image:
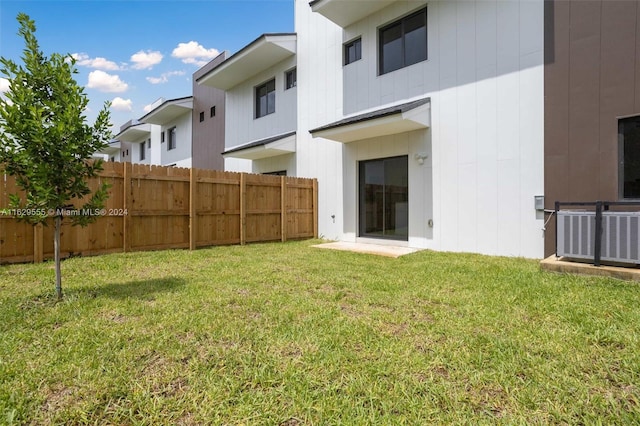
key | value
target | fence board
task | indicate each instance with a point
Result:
(154, 207)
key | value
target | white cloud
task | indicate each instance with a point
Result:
(4, 85)
(194, 53)
(120, 104)
(164, 77)
(100, 63)
(104, 82)
(142, 60)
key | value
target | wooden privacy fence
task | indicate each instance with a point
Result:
(153, 208)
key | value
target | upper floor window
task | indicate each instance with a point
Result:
(201, 116)
(212, 111)
(171, 136)
(266, 98)
(629, 154)
(291, 78)
(403, 42)
(353, 51)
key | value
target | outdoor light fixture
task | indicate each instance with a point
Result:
(421, 156)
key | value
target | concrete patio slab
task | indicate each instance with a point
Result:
(554, 264)
(377, 249)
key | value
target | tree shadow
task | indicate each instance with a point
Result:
(143, 289)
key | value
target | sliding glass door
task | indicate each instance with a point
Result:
(384, 198)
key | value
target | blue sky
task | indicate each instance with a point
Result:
(134, 52)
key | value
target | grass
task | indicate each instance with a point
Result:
(286, 334)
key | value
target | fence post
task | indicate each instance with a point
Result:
(243, 209)
(38, 243)
(315, 207)
(283, 207)
(128, 169)
(193, 181)
(598, 236)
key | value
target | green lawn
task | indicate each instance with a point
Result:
(286, 334)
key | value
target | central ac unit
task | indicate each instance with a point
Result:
(620, 236)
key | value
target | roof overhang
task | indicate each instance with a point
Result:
(168, 110)
(263, 53)
(393, 120)
(112, 148)
(346, 12)
(264, 148)
(134, 133)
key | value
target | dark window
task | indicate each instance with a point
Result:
(266, 98)
(142, 151)
(212, 112)
(112, 159)
(161, 137)
(201, 116)
(629, 152)
(278, 173)
(403, 42)
(384, 198)
(149, 143)
(172, 138)
(291, 78)
(353, 51)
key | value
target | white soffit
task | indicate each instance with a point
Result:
(260, 55)
(169, 110)
(258, 150)
(112, 148)
(371, 126)
(134, 133)
(346, 12)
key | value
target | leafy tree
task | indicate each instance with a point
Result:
(45, 142)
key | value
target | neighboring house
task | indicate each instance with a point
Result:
(208, 126)
(185, 132)
(136, 144)
(261, 103)
(592, 105)
(111, 152)
(173, 116)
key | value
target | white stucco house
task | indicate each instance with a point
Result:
(111, 152)
(422, 120)
(260, 82)
(171, 121)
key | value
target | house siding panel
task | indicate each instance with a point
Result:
(591, 79)
(584, 78)
(181, 155)
(208, 135)
(243, 126)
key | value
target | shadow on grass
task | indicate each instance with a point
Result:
(145, 289)
(142, 289)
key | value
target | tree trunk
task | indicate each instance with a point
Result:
(56, 250)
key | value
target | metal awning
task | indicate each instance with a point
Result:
(391, 120)
(264, 148)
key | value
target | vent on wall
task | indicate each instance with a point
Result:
(620, 236)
